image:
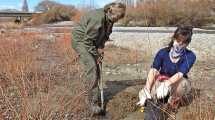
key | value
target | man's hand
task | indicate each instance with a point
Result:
(101, 51)
(144, 94)
(163, 90)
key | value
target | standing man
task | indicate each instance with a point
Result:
(88, 40)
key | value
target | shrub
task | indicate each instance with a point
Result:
(53, 12)
(171, 13)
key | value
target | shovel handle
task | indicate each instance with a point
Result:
(101, 87)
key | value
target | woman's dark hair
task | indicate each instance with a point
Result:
(186, 31)
(117, 5)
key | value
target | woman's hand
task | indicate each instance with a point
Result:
(144, 94)
(163, 90)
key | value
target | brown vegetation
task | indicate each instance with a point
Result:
(40, 79)
(171, 13)
(32, 88)
(53, 12)
(10, 25)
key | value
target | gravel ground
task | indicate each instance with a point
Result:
(203, 44)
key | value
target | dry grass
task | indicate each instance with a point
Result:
(171, 13)
(200, 109)
(32, 87)
(29, 88)
(40, 77)
(118, 55)
(77, 16)
(10, 25)
(55, 14)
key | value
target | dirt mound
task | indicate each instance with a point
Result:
(122, 104)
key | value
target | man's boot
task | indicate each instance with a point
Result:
(93, 101)
(95, 109)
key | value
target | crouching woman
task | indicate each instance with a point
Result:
(168, 73)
